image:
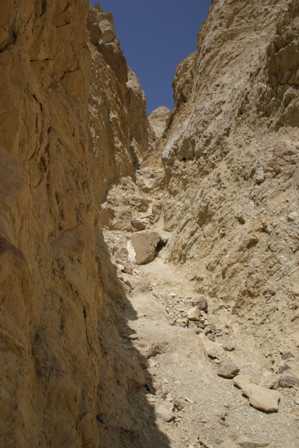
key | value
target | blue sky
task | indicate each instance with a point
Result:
(155, 36)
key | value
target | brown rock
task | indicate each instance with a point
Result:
(228, 369)
(144, 247)
(201, 302)
(138, 224)
(260, 398)
(194, 314)
(288, 380)
(158, 120)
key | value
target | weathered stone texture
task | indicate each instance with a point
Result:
(119, 126)
(65, 378)
(232, 155)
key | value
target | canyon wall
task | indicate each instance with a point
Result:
(119, 127)
(231, 159)
(66, 376)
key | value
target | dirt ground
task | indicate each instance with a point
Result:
(187, 347)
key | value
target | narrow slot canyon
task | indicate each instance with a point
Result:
(149, 263)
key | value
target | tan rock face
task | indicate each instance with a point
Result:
(144, 247)
(65, 380)
(232, 158)
(158, 120)
(117, 106)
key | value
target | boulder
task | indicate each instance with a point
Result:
(228, 369)
(144, 247)
(259, 397)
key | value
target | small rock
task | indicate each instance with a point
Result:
(155, 349)
(194, 314)
(260, 398)
(249, 443)
(288, 380)
(165, 412)
(211, 332)
(179, 404)
(215, 352)
(263, 399)
(182, 322)
(138, 224)
(228, 369)
(212, 349)
(282, 367)
(287, 355)
(201, 303)
(229, 346)
(259, 174)
(270, 381)
(296, 401)
(293, 216)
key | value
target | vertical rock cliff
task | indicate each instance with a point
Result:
(66, 376)
(231, 158)
(119, 127)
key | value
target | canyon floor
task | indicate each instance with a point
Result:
(212, 383)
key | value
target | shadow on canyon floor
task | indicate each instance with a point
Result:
(128, 418)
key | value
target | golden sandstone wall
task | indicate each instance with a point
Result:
(65, 378)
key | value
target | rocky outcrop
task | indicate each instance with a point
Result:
(231, 158)
(158, 120)
(67, 377)
(119, 126)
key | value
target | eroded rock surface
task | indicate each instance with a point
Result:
(149, 359)
(120, 131)
(66, 373)
(159, 119)
(232, 158)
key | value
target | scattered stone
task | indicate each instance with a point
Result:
(259, 174)
(211, 332)
(201, 303)
(179, 404)
(263, 399)
(228, 346)
(212, 349)
(288, 380)
(155, 349)
(287, 355)
(293, 216)
(260, 398)
(165, 412)
(182, 322)
(138, 224)
(296, 401)
(283, 367)
(270, 380)
(242, 381)
(144, 247)
(228, 369)
(251, 443)
(194, 314)
(215, 352)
